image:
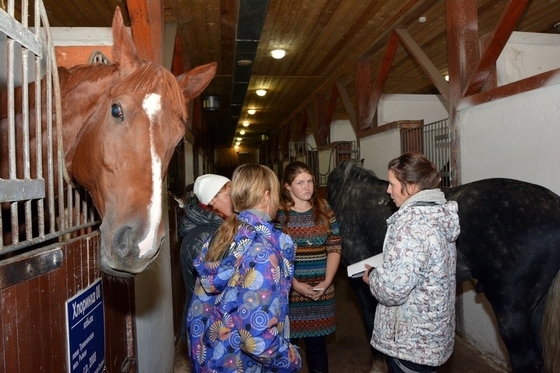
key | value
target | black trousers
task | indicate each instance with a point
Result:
(316, 353)
(402, 366)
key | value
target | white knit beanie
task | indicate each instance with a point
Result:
(207, 186)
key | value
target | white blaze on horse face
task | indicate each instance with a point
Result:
(152, 106)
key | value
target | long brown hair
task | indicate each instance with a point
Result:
(318, 206)
(249, 184)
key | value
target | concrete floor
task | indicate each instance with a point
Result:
(349, 350)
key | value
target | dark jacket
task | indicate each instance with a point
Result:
(196, 225)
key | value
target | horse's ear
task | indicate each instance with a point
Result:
(194, 82)
(124, 50)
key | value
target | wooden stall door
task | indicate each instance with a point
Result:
(33, 322)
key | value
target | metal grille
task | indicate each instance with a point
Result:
(336, 153)
(39, 202)
(434, 141)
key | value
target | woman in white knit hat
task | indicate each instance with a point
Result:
(203, 215)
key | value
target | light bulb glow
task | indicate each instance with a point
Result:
(251, 111)
(261, 92)
(245, 124)
(242, 132)
(278, 53)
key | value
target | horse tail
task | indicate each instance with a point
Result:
(550, 329)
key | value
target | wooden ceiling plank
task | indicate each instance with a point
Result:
(424, 62)
(514, 10)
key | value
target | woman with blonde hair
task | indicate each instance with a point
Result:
(238, 317)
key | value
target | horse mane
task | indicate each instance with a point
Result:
(350, 180)
(146, 77)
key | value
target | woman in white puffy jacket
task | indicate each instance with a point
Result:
(415, 286)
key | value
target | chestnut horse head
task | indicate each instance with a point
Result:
(121, 124)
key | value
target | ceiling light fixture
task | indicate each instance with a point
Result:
(251, 111)
(241, 132)
(261, 92)
(278, 53)
(245, 124)
(244, 62)
(239, 139)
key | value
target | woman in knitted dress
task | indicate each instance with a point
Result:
(309, 220)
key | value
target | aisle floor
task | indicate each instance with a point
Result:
(349, 350)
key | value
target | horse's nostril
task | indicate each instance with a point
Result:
(122, 240)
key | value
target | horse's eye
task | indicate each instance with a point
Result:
(117, 112)
(180, 143)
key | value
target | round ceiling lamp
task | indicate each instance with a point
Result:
(245, 124)
(241, 132)
(261, 92)
(278, 53)
(251, 111)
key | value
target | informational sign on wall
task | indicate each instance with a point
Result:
(85, 323)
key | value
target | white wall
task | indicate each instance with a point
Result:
(527, 54)
(430, 108)
(155, 345)
(378, 150)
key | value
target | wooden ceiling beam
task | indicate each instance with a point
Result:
(511, 15)
(382, 75)
(462, 45)
(177, 66)
(347, 103)
(424, 61)
(321, 115)
(146, 22)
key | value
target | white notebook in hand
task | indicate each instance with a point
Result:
(358, 269)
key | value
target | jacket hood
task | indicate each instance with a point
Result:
(432, 206)
(215, 276)
(196, 215)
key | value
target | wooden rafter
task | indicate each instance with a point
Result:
(146, 21)
(382, 75)
(347, 103)
(424, 62)
(511, 15)
(321, 114)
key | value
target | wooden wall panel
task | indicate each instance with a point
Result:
(33, 316)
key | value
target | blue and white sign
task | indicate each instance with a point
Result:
(85, 324)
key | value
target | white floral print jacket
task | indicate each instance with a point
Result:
(415, 285)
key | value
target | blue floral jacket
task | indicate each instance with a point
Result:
(238, 317)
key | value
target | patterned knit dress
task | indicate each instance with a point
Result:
(310, 318)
